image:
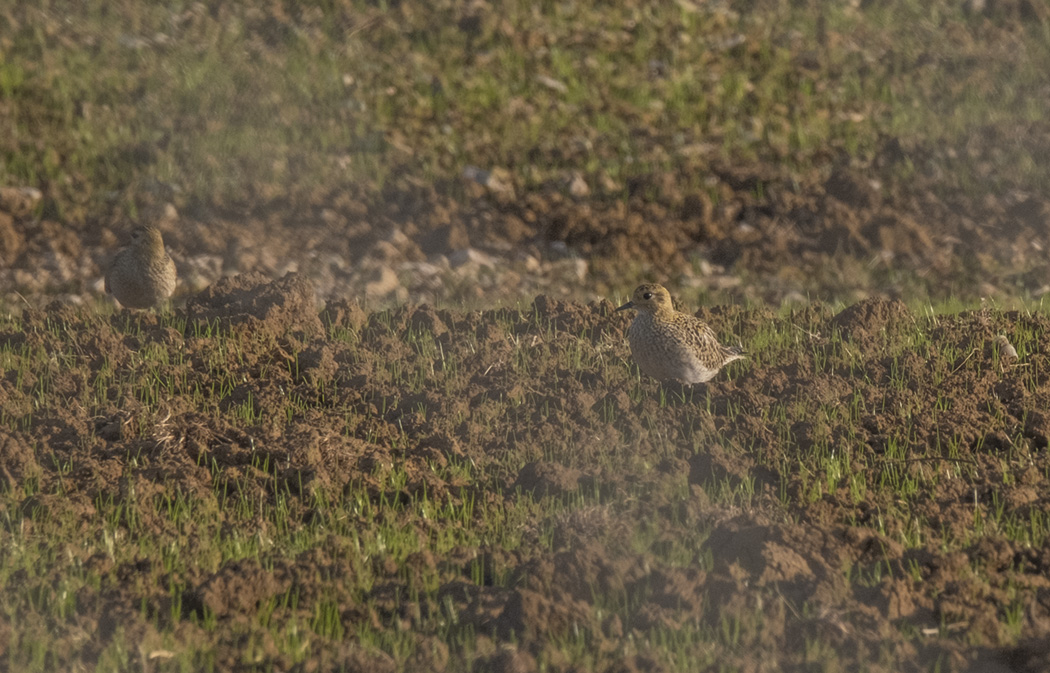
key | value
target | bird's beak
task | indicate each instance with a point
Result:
(629, 304)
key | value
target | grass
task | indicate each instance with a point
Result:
(183, 470)
(219, 107)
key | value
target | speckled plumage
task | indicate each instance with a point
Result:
(669, 345)
(142, 275)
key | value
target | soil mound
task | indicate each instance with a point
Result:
(870, 320)
(253, 300)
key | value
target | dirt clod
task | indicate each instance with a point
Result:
(865, 321)
(252, 299)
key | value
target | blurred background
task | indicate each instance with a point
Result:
(474, 153)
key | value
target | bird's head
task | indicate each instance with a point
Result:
(651, 298)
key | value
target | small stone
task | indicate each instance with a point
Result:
(578, 187)
(1006, 349)
(575, 268)
(384, 283)
(421, 269)
(397, 237)
(19, 200)
(552, 84)
(386, 252)
(471, 256)
(495, 180)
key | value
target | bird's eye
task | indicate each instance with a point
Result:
(647, 295)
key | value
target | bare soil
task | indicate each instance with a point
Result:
(838, 232)
(806, 574)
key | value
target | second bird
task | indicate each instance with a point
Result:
(142, 275)
(669, 345)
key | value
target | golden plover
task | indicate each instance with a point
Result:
(142, 275)
(670, 345)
